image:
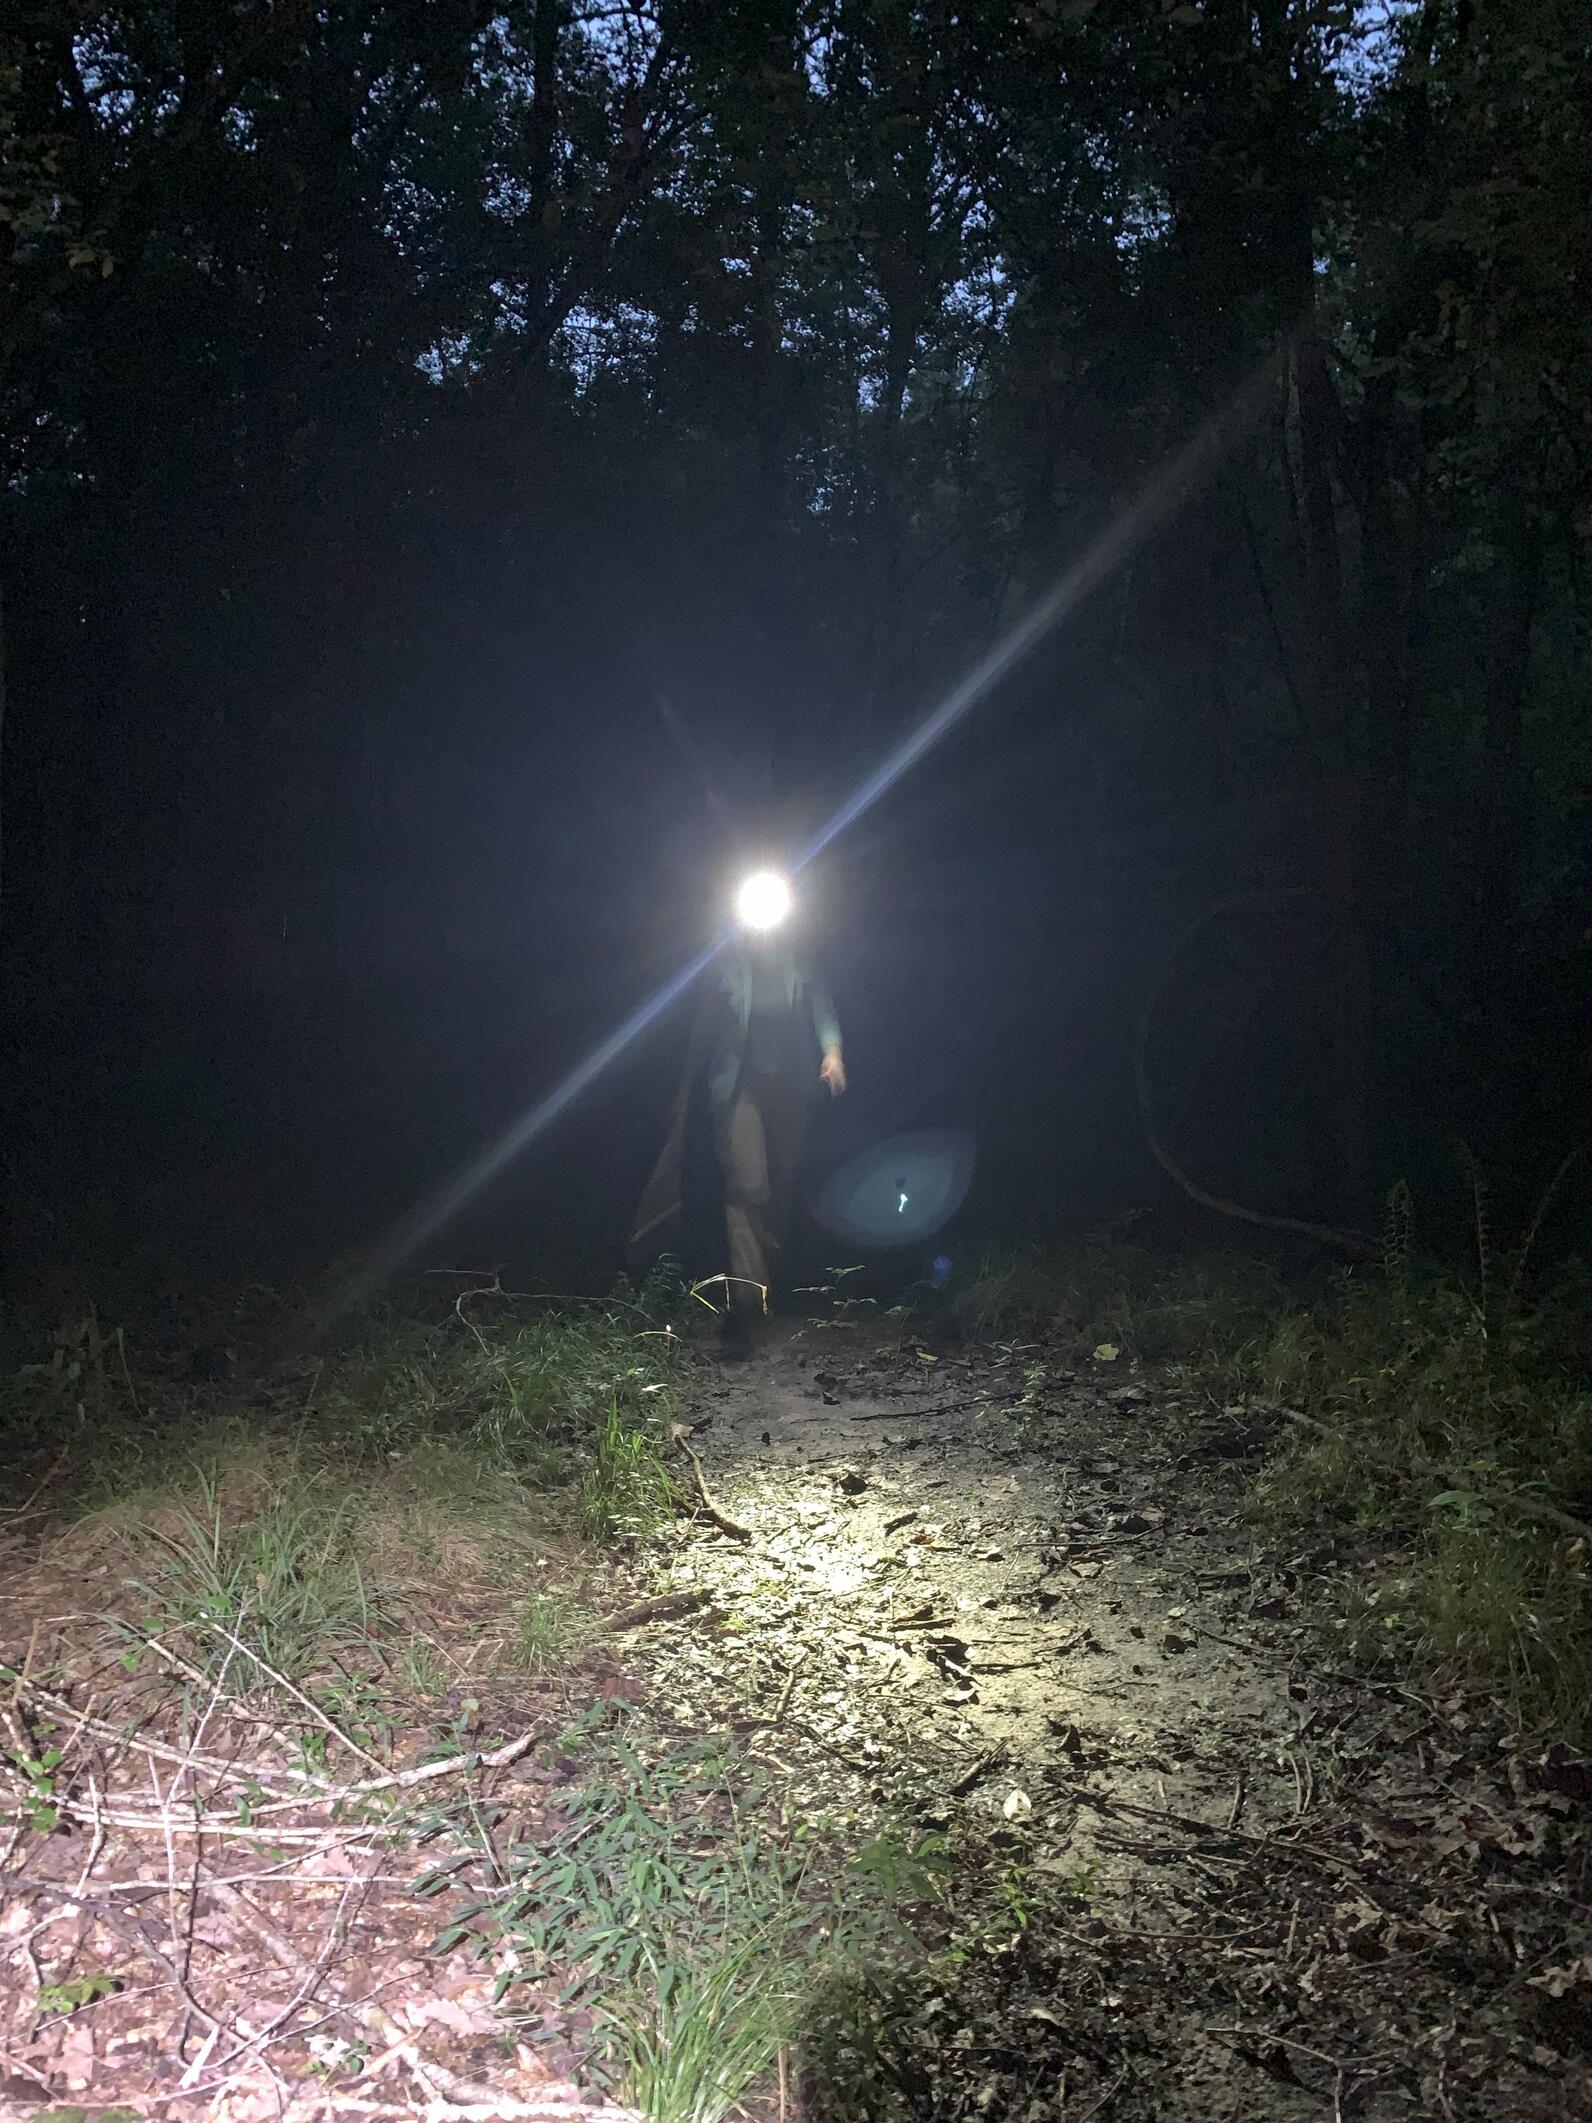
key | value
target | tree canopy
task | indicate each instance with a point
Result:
(411, 407)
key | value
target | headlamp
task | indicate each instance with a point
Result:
(764, 901)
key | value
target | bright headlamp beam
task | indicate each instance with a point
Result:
(1154, 502)
(763, 901)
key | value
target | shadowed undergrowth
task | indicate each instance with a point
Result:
(1443, 1419)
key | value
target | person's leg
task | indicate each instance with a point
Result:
(785, 1107)
(743, 1153)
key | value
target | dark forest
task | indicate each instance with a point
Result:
(1113, 480)
(462, 462)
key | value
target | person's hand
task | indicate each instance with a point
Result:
(833, 1072)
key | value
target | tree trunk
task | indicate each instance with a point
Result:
(1347, 977)
(1505, 806)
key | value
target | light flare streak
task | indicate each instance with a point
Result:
(1150, 507)
(426, 1220)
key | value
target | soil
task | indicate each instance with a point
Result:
(1192, 1866)
(1244, 1881)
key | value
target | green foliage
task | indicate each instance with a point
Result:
(39, 1808)
(72, 1995)
(707, 2035)
(691, 1910)
(627, 1489)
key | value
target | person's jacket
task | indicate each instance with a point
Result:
(732, 1018)
(714, 1056)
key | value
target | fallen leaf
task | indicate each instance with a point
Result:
(1107, 1353)
(1569, 1976)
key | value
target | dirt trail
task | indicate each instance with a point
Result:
(1241, 1884)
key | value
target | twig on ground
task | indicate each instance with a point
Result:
(298, 1695)
(1259, 2036)
(407, 1779)
(1106, 1803)
(783, 1704)
(286, 1955)
(1109, 2095)
(212, 1765)
(550, 2107)
(96, 1840)
(974, 1400)
(665, 1608)
(1240, 1794)
(180, 1954)
(393, 1780)
(1110, 1935)
(772, 1724)
(985, 1766)
(25, 1508)
(121, 1921)
(209, 1712)
(317, 1838)
(713, 1509)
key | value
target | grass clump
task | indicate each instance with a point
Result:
(1454, 1435)
(1201, 1312)
(691, 1911)
(307, 1505)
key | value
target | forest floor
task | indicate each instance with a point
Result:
(957, 1751)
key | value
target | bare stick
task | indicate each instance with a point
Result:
(720, 1517)
(212, 1764)
(406, 1779)
(299, 1696)
(1109, 2095)
(974, 1400)
(662, 1609)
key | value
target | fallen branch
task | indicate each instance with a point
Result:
(406, 1779)
(1355, 1243)
(552, 2106)
(974, 1400)
(298, 1695)
(665, 1608)
(1107, 2097)
(213, 1765)
(713, 1509)
(985, 1766)
(1209, 1831)
(204, 1823)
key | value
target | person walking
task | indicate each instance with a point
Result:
(766, 1039)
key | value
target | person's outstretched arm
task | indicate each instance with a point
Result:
(832, 1070)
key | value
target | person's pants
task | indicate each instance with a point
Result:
(760, 1145)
